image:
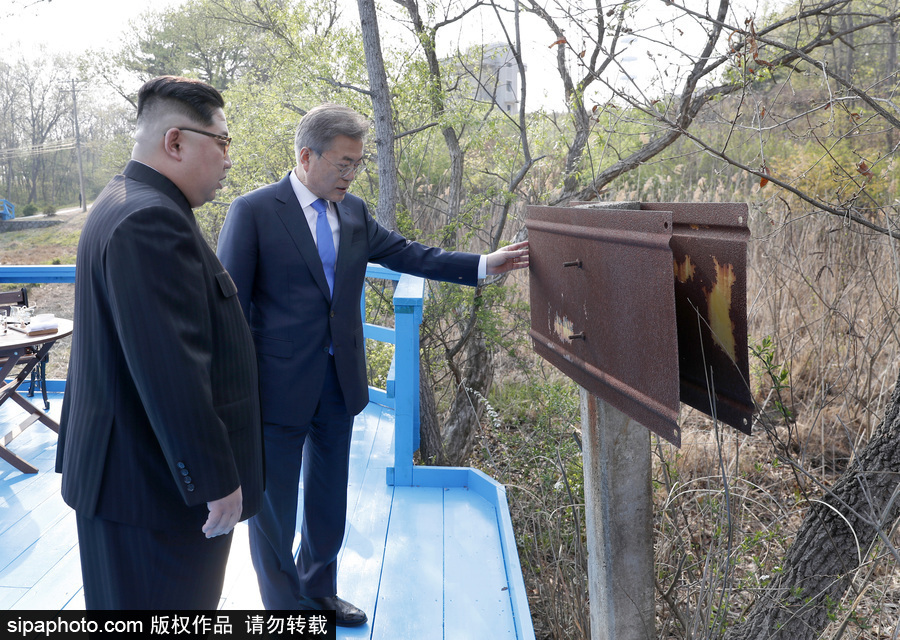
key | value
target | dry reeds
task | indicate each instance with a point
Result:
(825, 295)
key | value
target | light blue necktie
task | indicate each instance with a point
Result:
(325, 242)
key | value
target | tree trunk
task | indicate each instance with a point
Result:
(834, 538)
(849, 57)
(9, 179)
(582, 124)
(890, 71)
(388, 192)
(462, 424)
(457, 434)
(431, 448)
(455, 196)
(32, 184)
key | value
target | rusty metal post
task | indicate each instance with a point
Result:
(619, 518)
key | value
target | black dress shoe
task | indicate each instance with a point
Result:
(346, 615)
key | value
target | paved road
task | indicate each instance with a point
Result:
(72, 211)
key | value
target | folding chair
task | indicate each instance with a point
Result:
(19, 298)
(10, 299)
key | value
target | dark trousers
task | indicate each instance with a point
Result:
(321, 450)
(127, 567)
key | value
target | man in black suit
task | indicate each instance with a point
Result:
(160, 442)
(298, 251)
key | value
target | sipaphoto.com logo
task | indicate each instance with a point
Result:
(61, 627)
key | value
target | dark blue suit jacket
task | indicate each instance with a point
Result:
(161, 412)
(268, 249)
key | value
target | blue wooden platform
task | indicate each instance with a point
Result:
(429, 552)
(423, 561)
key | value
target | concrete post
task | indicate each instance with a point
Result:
(619, 520)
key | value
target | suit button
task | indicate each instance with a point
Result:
(332, 314)
(325, 349)
(187, 480)
(180, 465)
(184, 472)
(190, 487)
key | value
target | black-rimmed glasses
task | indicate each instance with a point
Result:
(226, 140)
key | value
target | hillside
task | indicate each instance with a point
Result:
(52, 245)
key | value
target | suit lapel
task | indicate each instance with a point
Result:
(290, 212)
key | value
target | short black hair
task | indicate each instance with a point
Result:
(194, 98)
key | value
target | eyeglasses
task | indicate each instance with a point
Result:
(345, 170)
(223, 139)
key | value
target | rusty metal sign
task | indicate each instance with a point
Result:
(603, 307)
(607, 312)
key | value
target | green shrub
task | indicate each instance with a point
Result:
(29, 210)
(379, 356)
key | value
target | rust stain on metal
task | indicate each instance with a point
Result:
(719, 308)
(561, 327)
(684, 271)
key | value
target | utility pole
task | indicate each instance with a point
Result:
(9, 157)
(78, 150)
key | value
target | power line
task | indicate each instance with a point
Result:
(36, 150)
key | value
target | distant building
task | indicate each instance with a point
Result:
(496, 79)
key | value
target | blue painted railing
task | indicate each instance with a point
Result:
(403, 398)
(37, 273)
(7, 210)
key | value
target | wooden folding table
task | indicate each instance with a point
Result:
(13, 347)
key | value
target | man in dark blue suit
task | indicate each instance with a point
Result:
(160, 441)
(298, 251)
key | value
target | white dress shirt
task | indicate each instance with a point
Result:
(306, 197)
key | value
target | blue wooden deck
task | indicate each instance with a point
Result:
(429, 552)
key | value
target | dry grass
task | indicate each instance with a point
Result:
(827, 295)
